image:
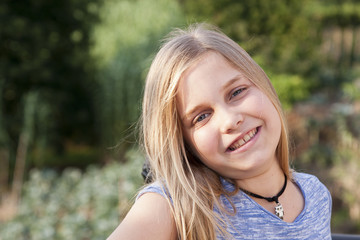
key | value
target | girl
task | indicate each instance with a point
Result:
(217, 142)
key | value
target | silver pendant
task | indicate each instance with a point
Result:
(279, 211)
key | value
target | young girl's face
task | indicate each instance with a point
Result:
(227, 121)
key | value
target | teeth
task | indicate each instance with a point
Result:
(244, 140)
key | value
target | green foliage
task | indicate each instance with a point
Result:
(290, 88)
(333, 156)
(340, 21)
(337, 13)
(279, 31)
(75, 205)
(124, 43)
(345, 172)
(86, 60)
(44, 49)
(351, 90)
(75, 156)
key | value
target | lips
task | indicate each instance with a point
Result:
(238, 143)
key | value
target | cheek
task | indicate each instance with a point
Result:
(265, 107)
(272, 118)
(255, 104)
(205, 142)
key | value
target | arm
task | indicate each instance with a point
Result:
(149, 218)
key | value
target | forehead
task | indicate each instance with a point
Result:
(210, 68)
(207, 58)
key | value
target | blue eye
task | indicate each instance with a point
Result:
(201, 117)
(237, 92)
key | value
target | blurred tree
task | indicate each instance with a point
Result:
(25, 137)
(125, 40)
(340, 23)
(44, 48)
(280, 31)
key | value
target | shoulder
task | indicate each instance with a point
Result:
(307, 180)
(149, 218)
(313, 189)
(155, 187)
(309, 183)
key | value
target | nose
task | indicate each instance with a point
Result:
(229, 120)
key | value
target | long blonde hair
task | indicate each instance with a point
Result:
(193, 187)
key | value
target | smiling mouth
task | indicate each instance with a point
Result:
(250, 135)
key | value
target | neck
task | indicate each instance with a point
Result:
(266, 184)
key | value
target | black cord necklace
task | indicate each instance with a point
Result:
(279, 211)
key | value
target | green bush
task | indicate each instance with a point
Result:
(290, 88)
(75, 204)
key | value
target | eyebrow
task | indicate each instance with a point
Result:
(237, 77)
(188, 114)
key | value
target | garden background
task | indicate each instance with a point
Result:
(71, 80)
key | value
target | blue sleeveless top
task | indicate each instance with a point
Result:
(252, 221)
